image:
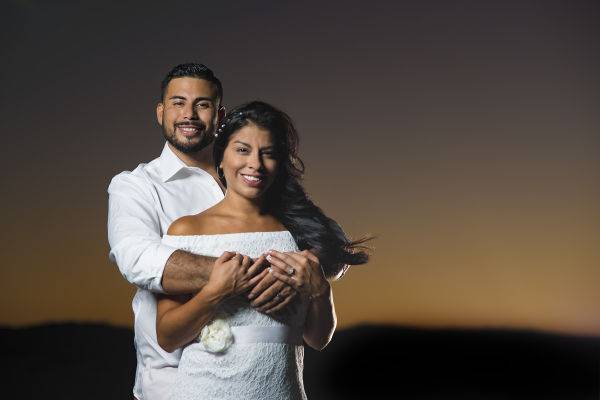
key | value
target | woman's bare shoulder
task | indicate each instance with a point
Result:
(198, 224)
(181, 226)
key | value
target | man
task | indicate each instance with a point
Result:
(144, 202)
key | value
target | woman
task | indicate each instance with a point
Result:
(265, 214)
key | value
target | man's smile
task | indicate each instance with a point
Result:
(189, 130)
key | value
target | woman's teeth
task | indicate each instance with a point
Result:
(252, 178)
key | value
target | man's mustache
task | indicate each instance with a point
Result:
(195, 124)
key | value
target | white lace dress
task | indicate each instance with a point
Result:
(247, 369)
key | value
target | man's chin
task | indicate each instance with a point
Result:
(189, 146)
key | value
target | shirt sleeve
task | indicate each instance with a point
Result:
(134, 232)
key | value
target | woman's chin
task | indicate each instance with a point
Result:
(253, 194)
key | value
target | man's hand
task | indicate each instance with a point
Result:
(232, 274)
(270, 294)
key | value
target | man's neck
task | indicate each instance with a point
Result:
(201, 159)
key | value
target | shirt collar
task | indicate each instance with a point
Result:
(170, 164)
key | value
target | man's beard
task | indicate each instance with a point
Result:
(184, 145)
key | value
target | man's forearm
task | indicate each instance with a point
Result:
(186, 272)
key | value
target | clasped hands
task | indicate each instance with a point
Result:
(271, 281)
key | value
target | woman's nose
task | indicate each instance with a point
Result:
(255, 161)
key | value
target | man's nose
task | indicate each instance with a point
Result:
(190, 112)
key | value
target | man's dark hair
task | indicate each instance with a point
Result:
(192, 70)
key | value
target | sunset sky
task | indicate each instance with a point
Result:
(465, 135)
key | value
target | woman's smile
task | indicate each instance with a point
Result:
(253, 180)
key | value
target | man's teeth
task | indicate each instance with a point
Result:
(188, 129)
(252, 178)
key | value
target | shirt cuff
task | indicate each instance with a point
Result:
(163, 252)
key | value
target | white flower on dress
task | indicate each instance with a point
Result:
(216, 336)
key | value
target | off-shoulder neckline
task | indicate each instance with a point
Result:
(229, 234)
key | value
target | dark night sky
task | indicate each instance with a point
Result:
(464, 134)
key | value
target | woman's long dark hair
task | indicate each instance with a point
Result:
(286, 199)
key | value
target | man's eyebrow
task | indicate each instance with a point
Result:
(178, 97)
(204, 98)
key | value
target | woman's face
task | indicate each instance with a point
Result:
(249, 161)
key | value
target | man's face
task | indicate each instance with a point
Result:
(189, 113)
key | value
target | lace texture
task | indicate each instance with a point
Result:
(248, 370)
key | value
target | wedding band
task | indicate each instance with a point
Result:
(291, 271)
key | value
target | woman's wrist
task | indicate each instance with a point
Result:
(322, 291)
(212, 294)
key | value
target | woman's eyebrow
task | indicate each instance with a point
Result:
(262, 148)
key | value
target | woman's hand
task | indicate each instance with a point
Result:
(300, 270)
(232, 274)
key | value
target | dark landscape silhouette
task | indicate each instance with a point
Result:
(73, 361)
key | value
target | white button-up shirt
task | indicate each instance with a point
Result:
(141, 206)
